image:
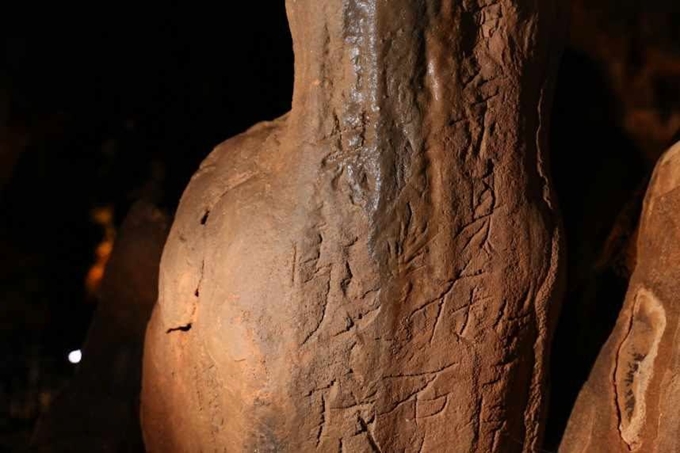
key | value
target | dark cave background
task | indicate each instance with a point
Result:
(100, 111)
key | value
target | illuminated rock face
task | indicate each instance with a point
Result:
(630, 402)
(378, 270)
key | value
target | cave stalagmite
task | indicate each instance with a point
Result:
(379, 269)
(630, 400)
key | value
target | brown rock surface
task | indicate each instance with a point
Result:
(378, 270)
(98, 411)
(630, 402)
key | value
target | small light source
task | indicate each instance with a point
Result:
(75, 356)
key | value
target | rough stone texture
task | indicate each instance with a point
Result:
(99, 409)
(379, 269)
(630, 402)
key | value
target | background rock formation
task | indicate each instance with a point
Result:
(99, 409)
(630, 400)
(617, 107)
(636, 44)
(97, 108)
(379, 269)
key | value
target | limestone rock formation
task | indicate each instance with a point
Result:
(99, 409)
(378, 270)
(630, 402)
